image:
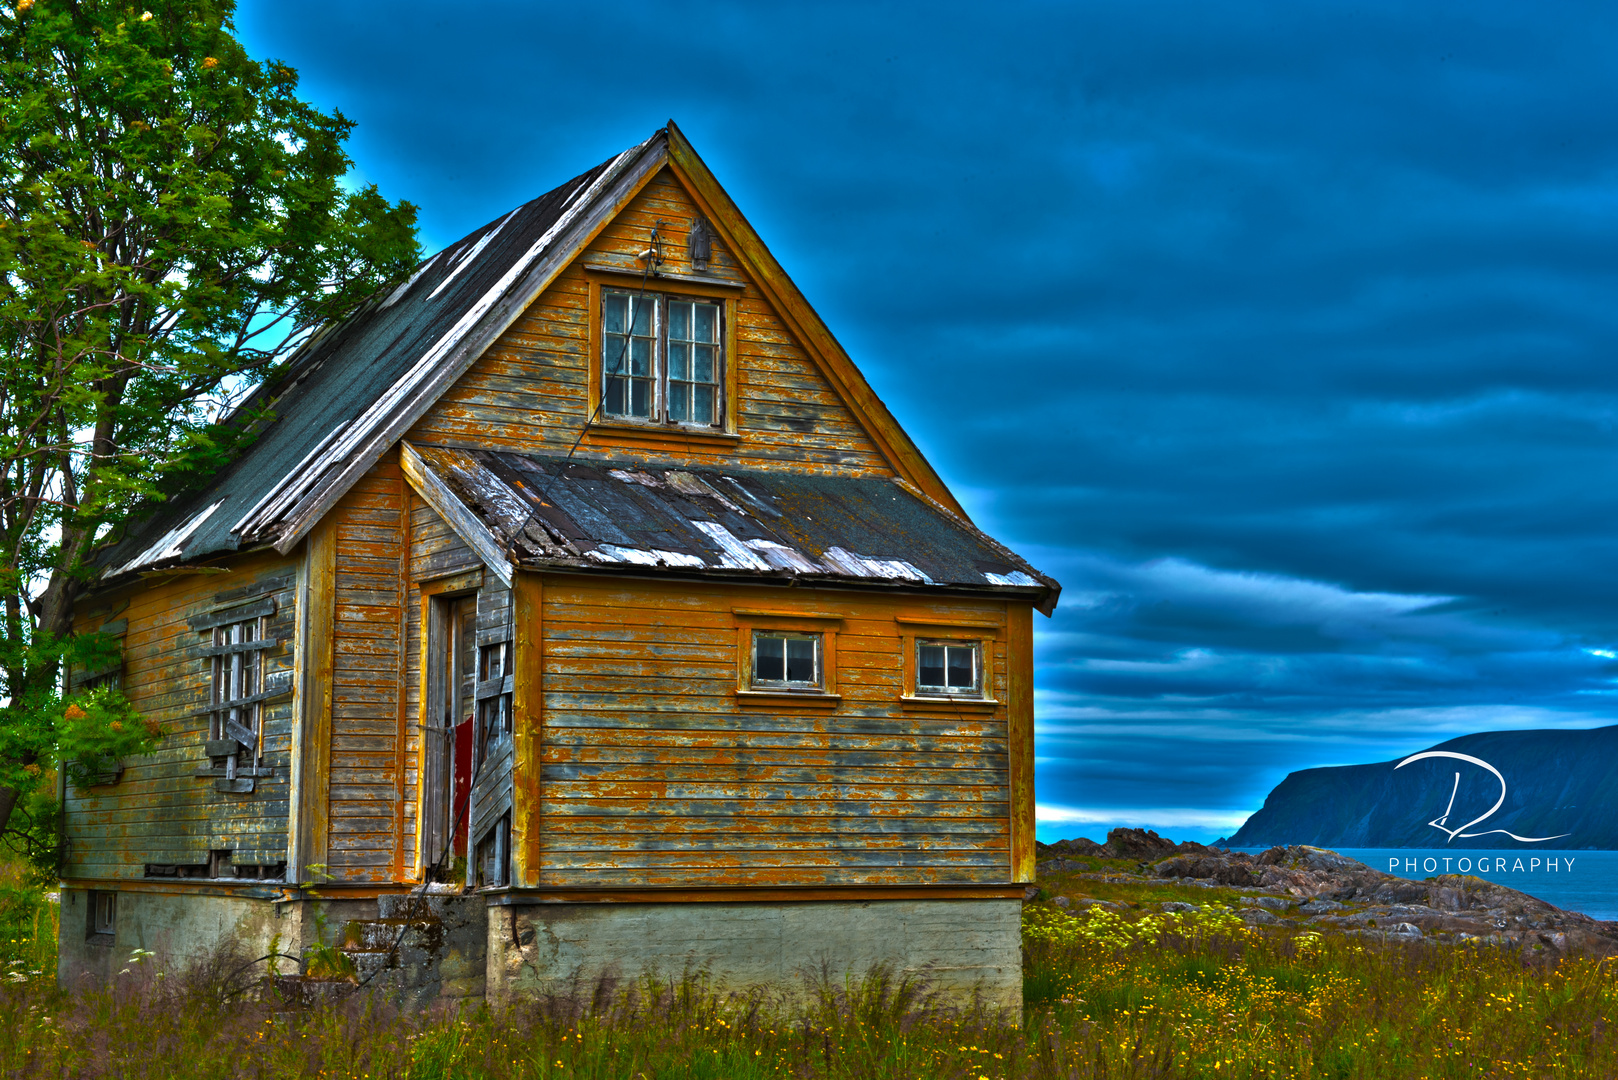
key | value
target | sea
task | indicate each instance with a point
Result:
(1585, 881)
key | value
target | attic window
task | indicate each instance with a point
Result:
(661, 358)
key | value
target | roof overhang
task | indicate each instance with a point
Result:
(526, 511)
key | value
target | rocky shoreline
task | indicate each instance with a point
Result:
(1313, 888)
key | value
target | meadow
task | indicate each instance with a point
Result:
(1132, 992)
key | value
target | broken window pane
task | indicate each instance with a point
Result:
(238, 674)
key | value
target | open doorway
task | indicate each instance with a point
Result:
(447, 781)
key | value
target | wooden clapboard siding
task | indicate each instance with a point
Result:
(159, 811)
(528, 390)
(365, 786)
(654, 772)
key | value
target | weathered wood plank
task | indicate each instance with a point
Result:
(968, 783)
(528, 722)
(658, 807)
(1020, 734)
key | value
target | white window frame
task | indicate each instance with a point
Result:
(616, 348)
(103, 916)
(785, 685)
(973, 645)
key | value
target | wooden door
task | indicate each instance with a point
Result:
(451, 681)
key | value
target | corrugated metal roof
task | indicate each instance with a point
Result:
(556, 513)
(344, 387)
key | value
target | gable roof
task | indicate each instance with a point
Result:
(555, 513)
(353, 390)
(349, 393)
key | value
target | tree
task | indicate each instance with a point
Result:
(173, 221)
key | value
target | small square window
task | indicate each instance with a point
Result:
(103, 925)
(786, 661)
(949, 667)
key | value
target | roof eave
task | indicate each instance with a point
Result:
(1042, 596)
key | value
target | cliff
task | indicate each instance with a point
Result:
(1558, 784)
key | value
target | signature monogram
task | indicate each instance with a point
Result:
(1461, 832)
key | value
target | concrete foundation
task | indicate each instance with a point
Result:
(181, 930)
(419, 951)
(961, 947)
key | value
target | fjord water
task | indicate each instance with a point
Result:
(1585, 881)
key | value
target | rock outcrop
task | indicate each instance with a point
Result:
(1331, 890)
(1144, 845)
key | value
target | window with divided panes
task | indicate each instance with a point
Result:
(949, 667)
(783, 660)
(661, 358)
(494, 695)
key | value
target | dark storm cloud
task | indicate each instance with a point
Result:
(1285, 337)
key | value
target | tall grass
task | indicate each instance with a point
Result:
(1106, 995)
(28, 925)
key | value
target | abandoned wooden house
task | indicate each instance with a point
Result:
(581, 604)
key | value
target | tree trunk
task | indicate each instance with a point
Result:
(8, 802)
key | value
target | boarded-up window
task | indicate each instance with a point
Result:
(238, 676)
(237, 642)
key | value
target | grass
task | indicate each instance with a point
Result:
(1107, 994)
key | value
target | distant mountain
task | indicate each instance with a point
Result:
(1556, 782)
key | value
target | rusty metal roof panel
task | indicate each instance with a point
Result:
(346, 384)
(555, 513)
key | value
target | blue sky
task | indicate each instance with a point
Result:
(1284, 336)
